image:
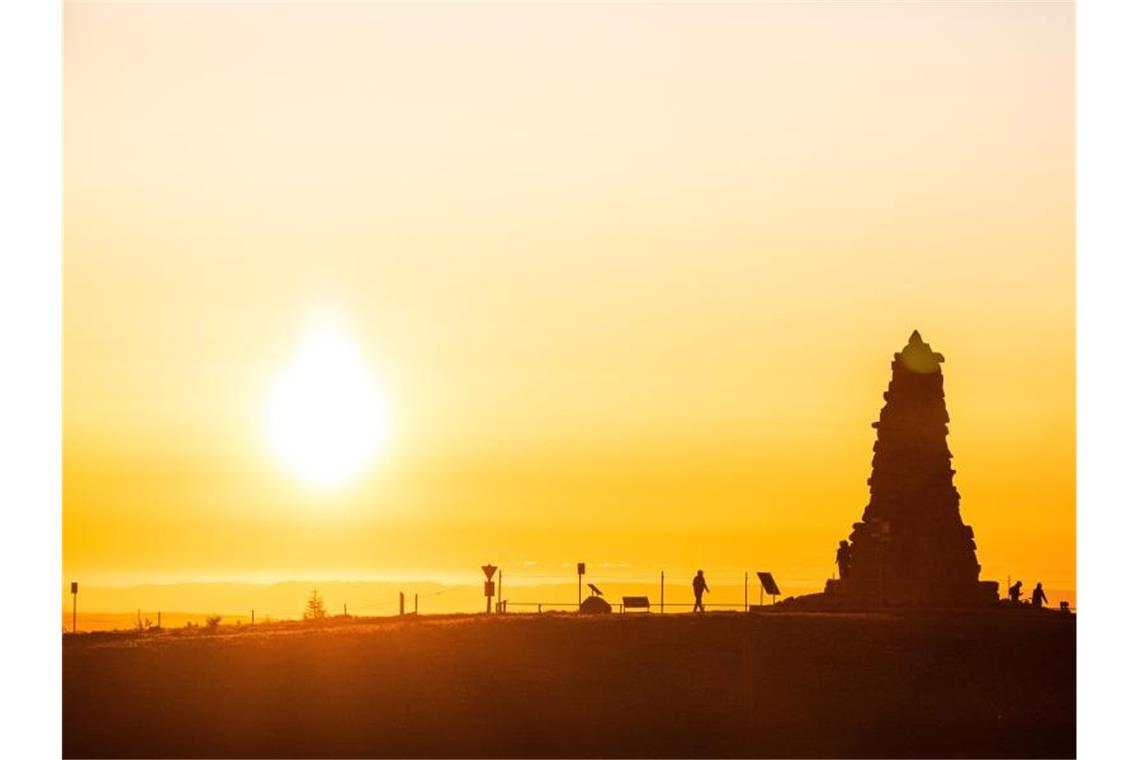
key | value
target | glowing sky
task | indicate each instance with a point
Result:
(631, 278)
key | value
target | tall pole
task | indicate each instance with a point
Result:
(662, 591)
(746, 592)
(416, 602)
(74, 596)
(499, 599)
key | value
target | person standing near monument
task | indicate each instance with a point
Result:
(843, 558)
(1039, 595)
(699, 589)
(1015, 592)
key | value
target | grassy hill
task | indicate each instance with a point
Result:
(980, 684)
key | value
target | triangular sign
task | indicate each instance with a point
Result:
(489, 571)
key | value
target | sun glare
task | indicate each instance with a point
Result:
(325, 415)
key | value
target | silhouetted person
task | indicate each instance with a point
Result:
(699, 589)
(843, 558)
(1039, 595)
(1015, 592)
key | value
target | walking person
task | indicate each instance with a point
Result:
(1039, 595)
(699, 589)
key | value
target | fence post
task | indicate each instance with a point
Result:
(401, 603)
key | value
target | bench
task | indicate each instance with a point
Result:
(635, 603)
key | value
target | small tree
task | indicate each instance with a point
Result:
(315, 607)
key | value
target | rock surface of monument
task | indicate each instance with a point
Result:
(911, 548)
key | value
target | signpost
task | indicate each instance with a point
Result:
(489, 586)
(74, 596)
(767, 583)
(581, 572)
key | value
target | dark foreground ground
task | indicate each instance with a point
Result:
(993, 684)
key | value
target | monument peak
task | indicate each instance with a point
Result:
(911, 546)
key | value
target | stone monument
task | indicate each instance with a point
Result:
(911, 548)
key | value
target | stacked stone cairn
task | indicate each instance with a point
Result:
(911, 548)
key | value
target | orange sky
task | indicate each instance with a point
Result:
(630, 278)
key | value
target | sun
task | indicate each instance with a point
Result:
(325, 415)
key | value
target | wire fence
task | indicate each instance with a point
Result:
(513, 591)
